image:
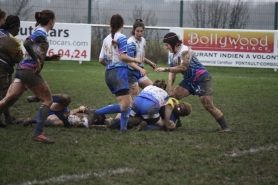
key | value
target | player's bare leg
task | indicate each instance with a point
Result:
(145, 83)
(44, 94)
(15, 90)
(179, 92)
(215, 112)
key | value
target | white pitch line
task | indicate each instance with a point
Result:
(65, 178)
(243, 77)
(237, 153)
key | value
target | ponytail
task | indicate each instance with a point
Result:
(44, 17)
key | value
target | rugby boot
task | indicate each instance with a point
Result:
(43, 139)
(2, 124)
(31, 99)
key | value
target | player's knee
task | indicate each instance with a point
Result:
(124, 108)
(47, 102)
(54, 122)
(66, 99)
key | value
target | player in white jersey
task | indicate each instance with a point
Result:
(113, 56)
(148, 103)
(136, 46)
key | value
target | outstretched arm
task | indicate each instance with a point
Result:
(138, 68)
(124, 57)
(81, 109)
(153, 65)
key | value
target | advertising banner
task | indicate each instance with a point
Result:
(73, 41)
(234, 48)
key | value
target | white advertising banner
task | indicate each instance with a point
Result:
(232, 48)
(73, 41)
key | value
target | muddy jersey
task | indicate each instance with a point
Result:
(40, 46)
(136, 49)
(111, 52)
(156, 94)
(10, 51)
(196, 71)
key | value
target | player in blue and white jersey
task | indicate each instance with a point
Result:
(136, 46)
(148, 103)
(196, 78)
(113, 56)
(28, 72)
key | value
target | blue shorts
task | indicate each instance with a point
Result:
(144, 107)
(134, 76)
(59, 114)
(201, 87)
(117, 79)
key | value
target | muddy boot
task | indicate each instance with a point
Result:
(31, 99)
(19, 120)
(2, 124)
(27, 121)
(8, 118)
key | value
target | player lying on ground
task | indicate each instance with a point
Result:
(149, 109)
(60, 115)
(171, 111)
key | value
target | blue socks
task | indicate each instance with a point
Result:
(42, 115)
(153, 127)
(110, 109)
(124, 120)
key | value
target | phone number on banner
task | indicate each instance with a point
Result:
(76, 54)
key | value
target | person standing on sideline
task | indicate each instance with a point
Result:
(28, 72)
(3, 17)
(113, 56)
(10, 54)
(196, 78)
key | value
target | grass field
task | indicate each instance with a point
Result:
(193, 154)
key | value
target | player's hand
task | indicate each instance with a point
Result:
(170, 125)
(144, 72)
(160, 69)
(82, 108)
(170, 92)
(153, 65)
(38, 66)
(55, 57)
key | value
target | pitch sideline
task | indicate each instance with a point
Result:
(65, 178)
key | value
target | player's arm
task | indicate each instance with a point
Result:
(169, 124)
(15, 52)
(125, 52)
(153, 65)
(28, 46)
(124, 57)
(138, 68)
(185, 61)
(81, 109)
(175, 69)
(171, 80)
(102, 61)
(54, 57)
